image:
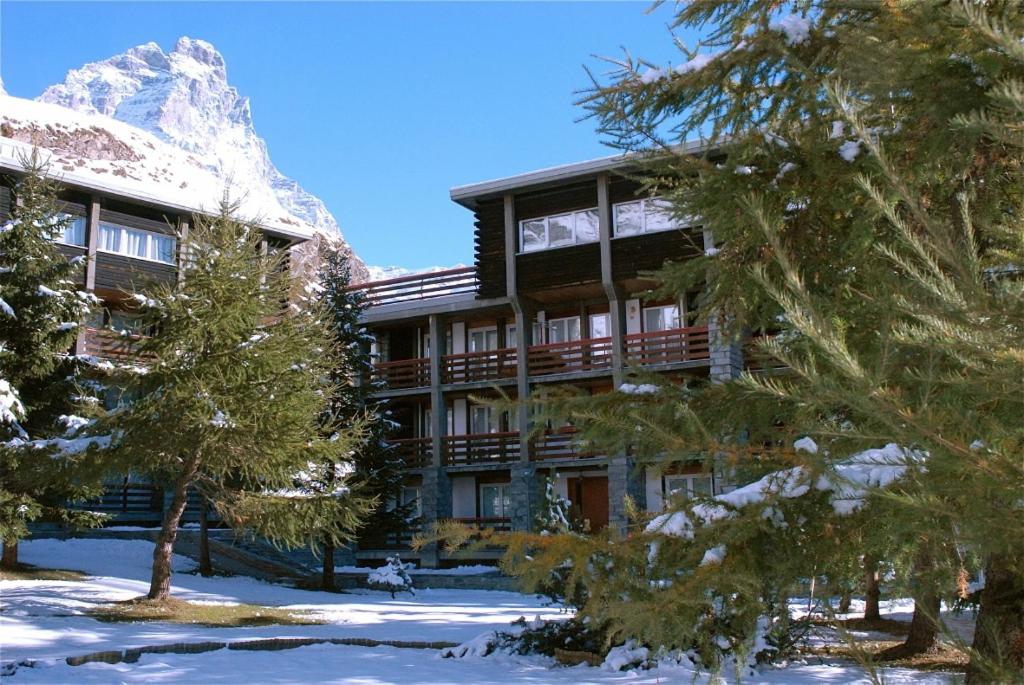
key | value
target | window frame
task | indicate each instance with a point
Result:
(574, 214)
(644, 230)
(504, 495)
(151, 237)
(75, 219)
(689, 479)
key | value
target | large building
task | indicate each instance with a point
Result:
(561, 257)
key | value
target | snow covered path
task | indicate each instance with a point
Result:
(45, 620)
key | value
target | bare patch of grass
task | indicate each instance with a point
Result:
(30, 572)
(212, 615)
(944, 657)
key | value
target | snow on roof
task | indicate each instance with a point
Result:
(107, 155)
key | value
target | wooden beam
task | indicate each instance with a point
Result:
(616, 297)
(511, 244)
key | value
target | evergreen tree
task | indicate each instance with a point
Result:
(44, 468)
(232, 398)
(378, 468)
(861, 175)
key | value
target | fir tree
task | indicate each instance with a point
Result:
(44, 468)
(378, 468)
(232, 398)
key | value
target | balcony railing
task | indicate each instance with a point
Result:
(757, 359)
(499, 524)
(560, 443)
(480, 366)
(415, 452)
(404, 373)
(567, 357)
(108, 344)
(420, 286)
(668, 347)
(480, 448)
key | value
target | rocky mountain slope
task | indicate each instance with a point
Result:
(183, 100)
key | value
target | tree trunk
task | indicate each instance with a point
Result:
(205, 567)
(924, 626)
(997, 654)
(872, 591)
(327, 581)
(845, 599)
(160, 583)
(10, 555)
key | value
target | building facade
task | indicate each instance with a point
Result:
(561, 255)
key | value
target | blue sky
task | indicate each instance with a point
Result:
(377, 108)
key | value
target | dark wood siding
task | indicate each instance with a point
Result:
(556, 200)
(70, 251)
(150, 221)
(559, 267)
(650, 251)
(490, 247)
(5, 203)
(129, 274)
(623, 190)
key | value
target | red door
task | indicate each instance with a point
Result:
(589, 498)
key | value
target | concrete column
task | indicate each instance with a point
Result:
(525, 495)
(436, 501)
(625, 479)
(726, 352)
(92, 241)
(183, 230)
(616, 297)
(438, 413)
(524, 335)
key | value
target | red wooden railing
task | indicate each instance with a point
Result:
(755, 358)
(415, 452)
(480, 366)
(560, 443)
(105, 343)
(420, 286)
(480, 448)
(666, 347)
(403, 373)
(567, 357)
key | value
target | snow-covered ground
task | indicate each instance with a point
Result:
(45, 620)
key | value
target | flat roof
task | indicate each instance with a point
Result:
(467, 195)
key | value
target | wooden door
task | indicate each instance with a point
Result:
(589, 498)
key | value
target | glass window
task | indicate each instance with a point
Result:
(162, 248)
(483, 339)
(495, 500)
(587, 226)
(126, 323)
(483, 420)
(663, 318)
(564, 330)
(534, 235)
(698, 484)
(73, 232)
(411, 498)
(135, 243)
(600, 326)
(628, 218)
(658, 216)
(110, 237)
(560, 230)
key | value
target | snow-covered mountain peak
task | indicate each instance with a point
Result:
(183, 98)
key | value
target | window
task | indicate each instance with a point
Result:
(411, 499)
(665, 318)
(73, 232)
(482, 419)
(558, 230)
(600, 326)
(137, 243)
(564, 330)
(125, 323)
(689, 486)
(483, 339)
(495, 500)
(643, 216)
(512, 337)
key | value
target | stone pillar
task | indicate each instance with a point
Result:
(726, 353)
(525, 495)
(92, 241)
(436, 502)
(625, 479)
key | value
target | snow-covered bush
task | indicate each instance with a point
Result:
(392, 577)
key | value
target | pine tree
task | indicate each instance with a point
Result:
(378, 468)
(231, 400)
(44, 468)
(862, 179)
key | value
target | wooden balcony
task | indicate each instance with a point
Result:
(108, 344)
(668, 347)
(480, 448)
(570, 357)
(757, 360)
(403, 373)
(418, 287)
(470, 367)
(560, 443)
(415, 452)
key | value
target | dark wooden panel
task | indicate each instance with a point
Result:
(556, 200)
(560, 267)
(650, 251)
(128, 274)
(161, 224)
(490, 247)
(5, 203)
(623, 190)
(71, 252)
